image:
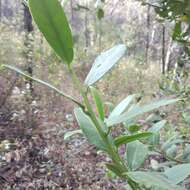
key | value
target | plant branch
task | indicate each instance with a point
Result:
(44, 83)
(111, 150)
(155, 6)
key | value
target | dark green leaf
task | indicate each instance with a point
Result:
(52, 22)
(134, 128)
(177, 30)
(98, 102)
(126, 138)
(100, 13)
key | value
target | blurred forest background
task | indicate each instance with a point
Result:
(33, 119)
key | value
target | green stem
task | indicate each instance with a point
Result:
(111, 150)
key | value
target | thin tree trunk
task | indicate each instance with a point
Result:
(27, 20)
(0, 10)
(28, 27)
(163, 49)
(95, 31)
(148, 35)
(86, 29)
(72, 14)
(168, 55)
(100, 36)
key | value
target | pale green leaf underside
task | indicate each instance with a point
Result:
(178, 173)
(89, 129)
(136, 154)
(104, 62)
(138, 110)
(157, 126)
(69, 134)
(153, 179)
(155, 138)
(122, 106)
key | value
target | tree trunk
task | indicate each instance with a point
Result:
(168, 55)
(27, 20)
(148, 35)
(28, 27)
(163, 49)
(72, 14)
(100, 36)
(0, 10)
(28, 42)
(7, 10)
(86, 29)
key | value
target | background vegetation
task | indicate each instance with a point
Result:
(34, 120)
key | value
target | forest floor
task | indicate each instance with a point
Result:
(40, 159)
(33, 152)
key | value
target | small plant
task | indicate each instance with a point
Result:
(95, 125)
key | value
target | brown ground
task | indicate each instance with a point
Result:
(38, 158)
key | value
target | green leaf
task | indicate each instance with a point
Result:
(109, 107)
(137, 110)
(170, 142)
(52, 22)
(98, 102)
(186, 153)
(104, 63)
(122, 106)
(178, 173)
(157, 126)
(136, 154)
(71, 133)
(153, 118)
(124, 139)
(134, 128)
(100, 13)
(153, 179)
(177, 30)
(155, 138)
(89, 129)
(172, 151)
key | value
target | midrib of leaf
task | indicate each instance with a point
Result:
(54, 29)
(132, 163)
(134, 157)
